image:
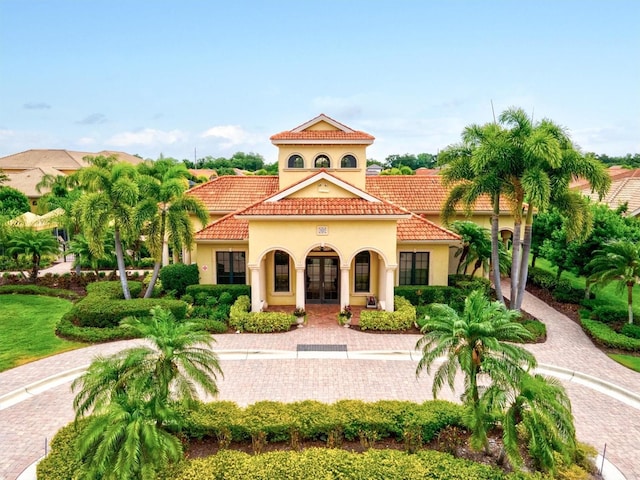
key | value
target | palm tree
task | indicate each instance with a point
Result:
(540, 408)
(34, 244)
(178, 360)
(166, 210)
(475, 343)
(133, 396)
(127, 441)
(111, 199)
(81, 249)
(617, 261)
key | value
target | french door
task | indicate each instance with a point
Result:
(322, 274)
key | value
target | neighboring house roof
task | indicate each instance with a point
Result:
(27, 180)
(203, 172)
(419, 194)
(625, 188)
(337, 133)
(59, 159)
(230, 193)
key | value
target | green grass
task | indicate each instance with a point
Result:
(628, 361)
(27, 329)
(608, 295)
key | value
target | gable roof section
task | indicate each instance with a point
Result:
(625, 190)
(230, 193)
(419, 194)
(305, 134)
(417, 228)
(227, 228)
(318, 176)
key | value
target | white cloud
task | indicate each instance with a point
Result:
(147, 137)
(86, 141)
(231, 135)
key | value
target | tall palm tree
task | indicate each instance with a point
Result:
(34, 244)
(166, 210)
(617, 261)
(541, 407)
(475, 343)
(112, 195)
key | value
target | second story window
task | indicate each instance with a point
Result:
(322, 161)
(348, 161)
(295, 161)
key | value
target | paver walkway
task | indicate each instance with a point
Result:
(253, 372)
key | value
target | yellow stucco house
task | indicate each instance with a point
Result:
(323, 231)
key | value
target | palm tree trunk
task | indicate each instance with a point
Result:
(158, 263)
(154, 278)
(34, 268)
(630, 301)
(515, 259)
(495, 252)
(121, 269)
(524, 261)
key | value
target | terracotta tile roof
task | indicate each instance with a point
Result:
(420, 194)
(418, 228)
(340, 133)
(323, 206)
(231, 193)
(328, 135)
(227, 228)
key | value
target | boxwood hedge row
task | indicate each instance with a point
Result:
(242, 320)
(402, 318)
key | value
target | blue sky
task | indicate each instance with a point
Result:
(152, 77)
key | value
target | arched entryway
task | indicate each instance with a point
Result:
(322, 276)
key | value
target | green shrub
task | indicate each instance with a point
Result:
(241, 319)
(402, 318)
(211, 325)
(38, 290)
(62, 463)
(179, 276)
(187, 298)
(67, 329)
(113, 289)
(426, 294)
(567, 294)
(541, 278)
(536, 328)
(631, 330)
(216, 290)
(609, 314)
(606, 336)
(102, 312)
(468, 283)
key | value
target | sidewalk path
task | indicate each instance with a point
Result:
(253, 372)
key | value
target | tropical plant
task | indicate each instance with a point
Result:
(166, 210)
(112, 195)
(133, 396)
(618, 261)
(538, 409)
(475, 343)
(476, 246)
(33, 244)
(81, 249)
(13, 202)
(128, 440)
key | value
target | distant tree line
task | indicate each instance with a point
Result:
(629, 160)
(252, 162)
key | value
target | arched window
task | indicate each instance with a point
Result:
(322, 161)
(295, 161)
(348, 161)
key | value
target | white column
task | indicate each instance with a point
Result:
(186, 256)
(300, 302)
(263, 283)
(382, 294)
(389, 289)
(256, 301)
(344, 287)
(165, 254)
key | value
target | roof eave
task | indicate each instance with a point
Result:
(322, 142)
(324, 217)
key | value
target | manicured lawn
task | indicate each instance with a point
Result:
(27, 328)
(628, 361)
(608, 295)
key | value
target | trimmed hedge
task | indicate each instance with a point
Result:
(469, 283)
(609, 314)
(210, 325)
(426, 294)
(606, 336)
(402, 318)
(69, 330)
(38, 290)
(242, 320)
(216, 290)
(315, 463)
(631, 330)
(178, 277)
